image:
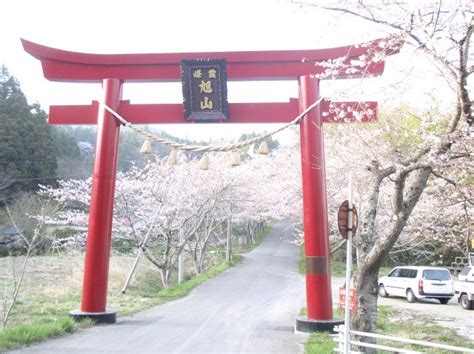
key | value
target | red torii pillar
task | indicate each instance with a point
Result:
(116, 69)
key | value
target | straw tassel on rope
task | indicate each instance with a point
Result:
(146, 147)
(204, 162)
(234, 158)
(263, 148)
(173, 157)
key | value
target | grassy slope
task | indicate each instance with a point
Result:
(52, 288)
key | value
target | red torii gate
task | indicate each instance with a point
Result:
(113, 70)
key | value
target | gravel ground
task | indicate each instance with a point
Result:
(450, 315)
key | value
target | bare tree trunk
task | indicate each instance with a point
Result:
(228, 249)
(251, 232)
(365, 283)
(202, 258)
(195, 262)
(373, 248)
(181, 259)
(198, 267)
(165, 275)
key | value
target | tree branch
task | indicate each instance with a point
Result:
(463, 92)
(450, 181)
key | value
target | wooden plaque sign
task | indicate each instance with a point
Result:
(204, 89)
(343, 219)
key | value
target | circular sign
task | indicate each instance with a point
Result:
(343, 219)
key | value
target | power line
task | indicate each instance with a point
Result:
(18, 161)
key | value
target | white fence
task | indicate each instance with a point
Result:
(341, 349)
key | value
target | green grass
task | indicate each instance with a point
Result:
(179, 290)
(16, 335)
(398, 324)
(338, 269)
(302, 261)
(321, 343)
(416, 326)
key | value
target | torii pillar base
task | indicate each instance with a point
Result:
(306, 325)
(109, 316)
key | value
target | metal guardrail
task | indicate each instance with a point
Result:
(340, 339)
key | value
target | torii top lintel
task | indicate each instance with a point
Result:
(61, 65)
(344, 62)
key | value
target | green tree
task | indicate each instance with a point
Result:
(86, 134)
(27, 148)
(66, 145)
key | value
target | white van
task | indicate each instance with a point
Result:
(417, 283)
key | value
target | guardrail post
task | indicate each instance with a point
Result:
(340, 338)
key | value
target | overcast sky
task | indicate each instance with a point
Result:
(141, 26)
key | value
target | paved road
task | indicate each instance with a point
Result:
(249, 308)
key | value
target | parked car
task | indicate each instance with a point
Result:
(464, 288)
(467, 274)
(414, 282)
(465, 293)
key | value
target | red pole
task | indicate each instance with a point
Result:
(318, 273)
(94, 291)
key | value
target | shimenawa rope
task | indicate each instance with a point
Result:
(208, 148)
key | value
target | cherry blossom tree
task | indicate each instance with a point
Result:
(397, 175)
(183, 207)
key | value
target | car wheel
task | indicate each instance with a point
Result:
(411, 296)
(382, 291)
(466, 303)
(443, 301)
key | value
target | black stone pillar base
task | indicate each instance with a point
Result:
(98, 317)
(304, 324)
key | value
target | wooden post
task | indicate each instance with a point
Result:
(318, 272)
(96, 271)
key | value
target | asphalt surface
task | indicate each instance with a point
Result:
(250, 308)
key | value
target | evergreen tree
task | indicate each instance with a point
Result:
(66, 145)
(27, 148)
